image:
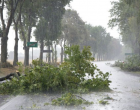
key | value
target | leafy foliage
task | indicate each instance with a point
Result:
(102, 43)
(69, 99)
(68, 76)
(73, 28)
(125, 15)
(131, 63)
(103, 102)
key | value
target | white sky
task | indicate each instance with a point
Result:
(94, 12)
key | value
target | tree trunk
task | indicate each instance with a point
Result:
(6, 28)
(16, 47)
(64, 49)
(29, 36)
(4, 40)
(52, 54)
(139, 48)
(25, 54)
(49, 55)
(41, 50)
(55, 54)
(61, 54)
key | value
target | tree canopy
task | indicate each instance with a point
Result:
(126, 15)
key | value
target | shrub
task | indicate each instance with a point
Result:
(69, 76)
(131, 63)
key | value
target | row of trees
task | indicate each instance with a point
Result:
(52, 26)
(126, 15)
(104, 46)
(25, 14)
(76, 31)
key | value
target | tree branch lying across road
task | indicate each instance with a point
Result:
(9, 76)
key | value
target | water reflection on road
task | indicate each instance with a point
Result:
(125, 93)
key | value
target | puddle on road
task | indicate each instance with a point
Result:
(125, 95)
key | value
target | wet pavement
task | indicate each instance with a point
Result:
(125, 95)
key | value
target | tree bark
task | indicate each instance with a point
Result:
(29, 37)
(16, 46)
(49, 55)
(41, 51)
(4, 49)
(6, 28)
(9, 76)
(139, 48)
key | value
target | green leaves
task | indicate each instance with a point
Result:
(69, 99)
(131, 63)
(68, 77)
(73, 28)
(125, 14)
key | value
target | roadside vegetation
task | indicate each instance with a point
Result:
(131, 63)
(70, 76)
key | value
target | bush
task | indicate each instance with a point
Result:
(69, 76)
(131, 63)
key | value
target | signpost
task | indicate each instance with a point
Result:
(32, 44)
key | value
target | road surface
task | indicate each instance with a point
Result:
(125, 95)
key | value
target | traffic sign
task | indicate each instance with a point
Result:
(31, 44)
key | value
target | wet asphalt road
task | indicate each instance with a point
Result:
(125, 94)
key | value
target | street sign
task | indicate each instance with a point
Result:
(31, 44)
(47, 51)
(128, 53)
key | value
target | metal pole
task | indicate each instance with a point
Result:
(32, 54)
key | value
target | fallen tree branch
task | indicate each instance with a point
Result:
(9, 76)
(79, 97)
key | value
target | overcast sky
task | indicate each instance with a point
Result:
(94, 12)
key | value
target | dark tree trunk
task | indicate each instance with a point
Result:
(26, 50)
(26, 63)
(49, 55)
(139, 48)
(29, 37)
(6, 28)
(16, 47)
(41, 51)
(25, 53)
(4, 49)
(9, 76)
